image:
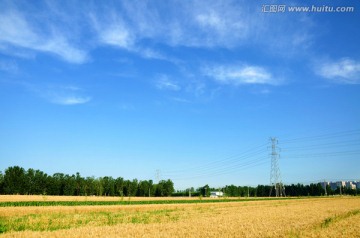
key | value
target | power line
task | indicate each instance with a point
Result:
(224, 164)
(323, 136)
(335, 144)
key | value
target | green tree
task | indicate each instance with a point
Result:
(99, 186)
(134, 187)
(70, 185)
(263, 190)
(79, 184)
(1, 183)
(14, 180)
(109, 186)
(89, 186)
(329, 191)
(159, 189)
(205, 191)
(57, 186)
(168, 187)
(232, 191)
(127, 188)
(36, 182)
(164, 188)
(119, 186)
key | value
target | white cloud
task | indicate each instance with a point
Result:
(209, 24)
(63, 95)
(60, 46)
(165, 83)
(67, 30)
(70, 100)
(113, 31)
(240, 75)
(195, 24)
(345, 71)
(16, 31)
(151, 54)
(117, 35)
(218, 29)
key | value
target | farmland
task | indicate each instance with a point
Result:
(304, 217)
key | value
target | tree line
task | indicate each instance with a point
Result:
(17, 180)
(293, 190)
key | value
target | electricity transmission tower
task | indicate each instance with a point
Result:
(275, 177)
(157, 175)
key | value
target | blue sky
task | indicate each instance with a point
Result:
(192, 89)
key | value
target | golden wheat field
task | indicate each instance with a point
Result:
(306, 217)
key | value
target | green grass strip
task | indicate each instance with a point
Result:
(337, 218)
(107, 203)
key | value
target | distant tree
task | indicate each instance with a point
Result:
(151, 190)
(263, 190)
(127, 188)
(296, 190)
(89, 186)
(168, 188)
(14, 180)
(109, 186)
(159, 189)
(349, 191)
(99, 186)
(144, 188)
(119, 186)
(205, 191)
(58, 184)
(79, 184)
(70, 185)
(232, 191)
(36, 182)
(134, 187)
(329, 191)
(1, 183)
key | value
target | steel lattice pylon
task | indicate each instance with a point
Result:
(275, 176)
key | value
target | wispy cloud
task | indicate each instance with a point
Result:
(345, 71)
(63, 95)
(70, 100)
(165, 83)
(206, 25)
(18, 31)
(112, 30)
(240, 74)
(211, 24)
(140, 27)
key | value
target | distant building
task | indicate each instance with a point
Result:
(350, 185)
(324, 184)
(335, 185)
(215, 194)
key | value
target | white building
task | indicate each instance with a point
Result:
(215, 194)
